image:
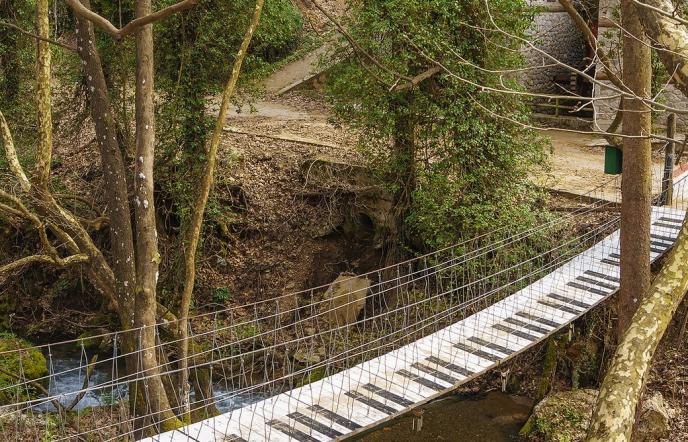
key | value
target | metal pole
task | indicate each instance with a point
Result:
(668, 178)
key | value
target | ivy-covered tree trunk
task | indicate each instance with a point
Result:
(636, 184)
(193, 232)
(404, 176)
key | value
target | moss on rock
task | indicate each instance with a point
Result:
(27, 362)
(561, 417)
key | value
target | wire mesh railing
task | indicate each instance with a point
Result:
(245, 353)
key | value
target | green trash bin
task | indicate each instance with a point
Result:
(613, 158)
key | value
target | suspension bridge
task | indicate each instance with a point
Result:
(281, 370)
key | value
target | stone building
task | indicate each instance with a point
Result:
(555, 33)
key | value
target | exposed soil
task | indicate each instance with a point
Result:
(314, 18)
(284, 238)
(494, 417)
(669, 375)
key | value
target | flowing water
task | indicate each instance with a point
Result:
(70, 367)
(491, 417)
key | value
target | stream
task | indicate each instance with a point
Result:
(491, 417)
(70, 367)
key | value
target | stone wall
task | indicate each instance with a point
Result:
(671, 96)
(605, 108)
(554, 33)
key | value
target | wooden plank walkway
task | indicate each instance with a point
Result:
(378, 390)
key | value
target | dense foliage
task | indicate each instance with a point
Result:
(17, 61)
(469, 159)
(195, 52)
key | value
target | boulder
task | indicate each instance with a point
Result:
(653, 422)
(561, 416)
(22, 362)
(344, 299)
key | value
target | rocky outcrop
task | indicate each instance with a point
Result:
(344, 299)
(653, 421)
(370, 204)
(561, 416)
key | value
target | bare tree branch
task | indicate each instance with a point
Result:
(357, 47)
(44, 259)
(133, 25)
(592, 41)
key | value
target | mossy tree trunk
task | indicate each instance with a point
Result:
(193, 232)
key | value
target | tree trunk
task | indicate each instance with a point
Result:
(670, 36)
(194, 230)
(147, 256)
(403, 175)
(636, 191)
(621, 389)
(114, 173)
(43, 93)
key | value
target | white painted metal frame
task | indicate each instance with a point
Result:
(375, 391)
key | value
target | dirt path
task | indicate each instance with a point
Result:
(295, 72)
(577, 166)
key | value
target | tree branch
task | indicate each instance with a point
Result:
(133, 25)
(44, 259)
(11, 154)
(355, 45)
(37, 37)
(415, 81)
(592, 41)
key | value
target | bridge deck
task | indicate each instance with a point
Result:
(362, 397)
